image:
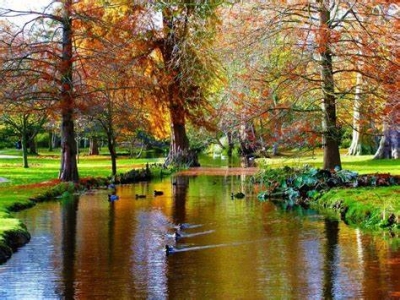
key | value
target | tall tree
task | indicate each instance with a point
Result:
(190, 70)
(23, 106)
(53, 57)
(331, 132)
(69, 167)
(117, 87)
(329, 45)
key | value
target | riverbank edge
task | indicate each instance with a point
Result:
(345, 204)
(16, 234)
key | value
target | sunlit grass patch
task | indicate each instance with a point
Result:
(369, 207)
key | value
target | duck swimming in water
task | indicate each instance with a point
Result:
(169, 249)
(182, 226)
(177, 235)
(158, 193)
(112, 197)
(239, 195)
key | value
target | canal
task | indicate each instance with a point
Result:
(85, 247)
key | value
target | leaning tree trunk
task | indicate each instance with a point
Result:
(332, 134)
(180, 153)
(69, 167)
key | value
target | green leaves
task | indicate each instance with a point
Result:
(308, 182)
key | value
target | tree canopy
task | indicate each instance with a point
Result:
(267, 76)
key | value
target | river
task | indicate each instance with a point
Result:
(86, 247)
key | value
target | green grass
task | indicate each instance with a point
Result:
(368, 207)
(360, 164)
(46, 166)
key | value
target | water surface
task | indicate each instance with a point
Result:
(88, 248)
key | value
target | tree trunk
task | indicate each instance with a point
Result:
(247, 138)
(179, 139)
(113, 152)
(24, 144)
(361, 143)
(180, 154)
(94, 146)
(248, 144)
(32, 144)
(231, 144)
(50, 141)
(389, 144)
(69, 167)
(332, 134)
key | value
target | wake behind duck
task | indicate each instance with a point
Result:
(169, 249)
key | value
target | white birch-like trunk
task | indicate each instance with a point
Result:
(355, 147)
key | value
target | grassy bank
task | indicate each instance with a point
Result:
(370, 208)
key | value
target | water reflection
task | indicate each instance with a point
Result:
(89, 248)
(148, 266)
(179, 193)
(331, 259)
(69, 211)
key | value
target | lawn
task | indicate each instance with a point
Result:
(361, 164)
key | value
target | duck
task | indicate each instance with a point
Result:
(177, 235)
(169, 249)
(113, 197)
(140, 196)
(158, 193)
(182, 226)
(239, 195)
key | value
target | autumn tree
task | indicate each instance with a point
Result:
(118, 92)
(189, 70)
(26, 119)
(170, 60)
(277, 109)
(389, 145)
(328, 45)
(24, 106)
(54, 45)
